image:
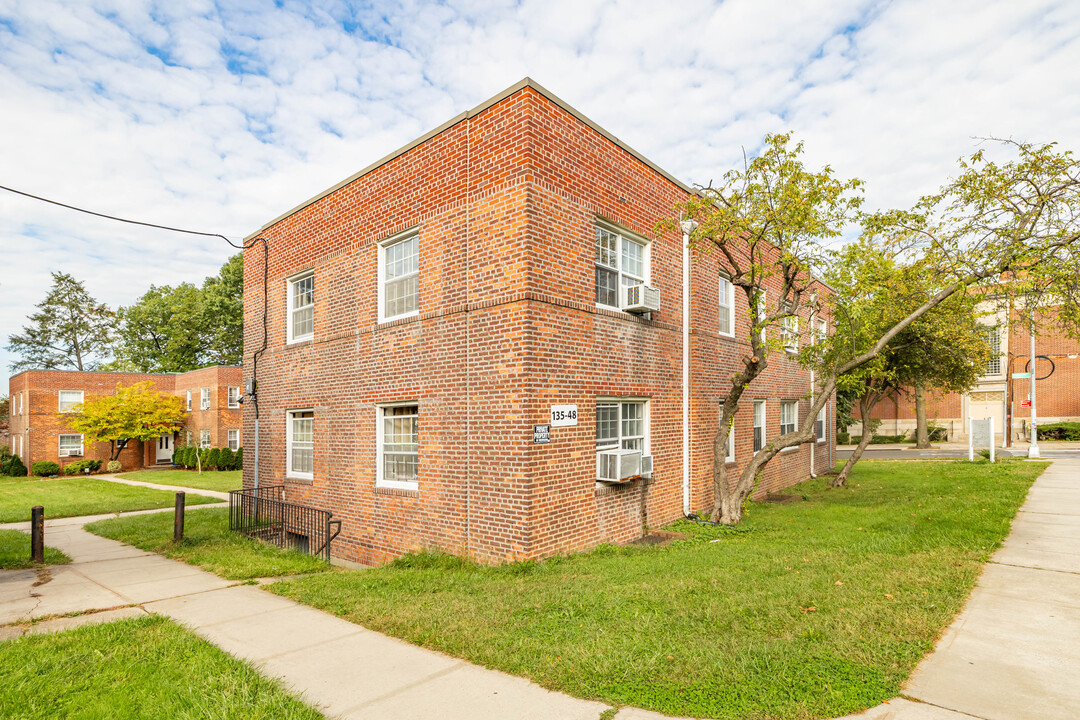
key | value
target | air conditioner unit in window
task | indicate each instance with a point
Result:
(640, 298)
(71, 453)
(616, 466)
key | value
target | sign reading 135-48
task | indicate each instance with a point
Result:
(563, 415)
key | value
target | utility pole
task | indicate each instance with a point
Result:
(1033, 448)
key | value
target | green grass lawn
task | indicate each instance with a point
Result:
(209, 544)
(69, 497)
(221, 481)
(15, 551)
(139, 668)
(812, 609)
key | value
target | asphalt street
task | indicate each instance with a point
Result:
(913, 454)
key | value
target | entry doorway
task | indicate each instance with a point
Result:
(988, 404)
(164, 449)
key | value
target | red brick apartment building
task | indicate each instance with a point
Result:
(432, 314)
(39, 399)
(997, 394)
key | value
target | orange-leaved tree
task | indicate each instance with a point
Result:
(135, 412)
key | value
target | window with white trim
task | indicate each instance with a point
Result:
(819, 424)
(993, 339)
(729, 451)
(301, 320)
(788, 416)
(399, 277)
(789, 333)
(234, 396)
(20, 404)
(620, 261)
(727, 307)
(399, 446)
(234, 440)
(187, 438)
(204, 438)
(69, 399)
(622, 424)
(821, 330)
(189, 401)
(759, 424)
(71, 445)
(204, 399)
(300, 444)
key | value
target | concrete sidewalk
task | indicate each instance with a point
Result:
(1012, 654)
(343, 669)
(171, 488)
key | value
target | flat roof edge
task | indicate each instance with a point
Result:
(516, 87)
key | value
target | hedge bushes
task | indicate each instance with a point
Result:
(210, 458)
(44, 468)
(1060, 431)
(12, 466)
(76, 468)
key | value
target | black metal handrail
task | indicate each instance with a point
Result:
(264, 515)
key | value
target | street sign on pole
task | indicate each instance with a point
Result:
(1021, 376)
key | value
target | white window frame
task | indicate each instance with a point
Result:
(60, 444)
(380, 415)
(413, 233)
(789, 333)
(821, 330)
(729, 451)
(646, 261)
(823, 418)
(727, 306)
(20, 404)
(60, 400)
(995, 358)
(289, 472)
(204, 398)
(764, 423)
(234, 397)
(234, 440)
(187, 436)
(204, 439)
(646, 412)
(794, 404)
(189, 401)
(291, 308)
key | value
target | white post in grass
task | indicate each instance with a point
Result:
(971, 439)
(991, 438)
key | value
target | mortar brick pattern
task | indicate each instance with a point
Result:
(505, 203)
(36, 430)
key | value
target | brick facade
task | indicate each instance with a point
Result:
(506, 201)
(36, 423)
(997, 393)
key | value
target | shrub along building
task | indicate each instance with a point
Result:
(477, 344)
(41, 398)
(997, 394)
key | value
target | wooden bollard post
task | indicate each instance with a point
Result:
(37, 534)
(178, 519)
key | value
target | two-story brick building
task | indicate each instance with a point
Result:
(40, 399)
(451, 362)
(997, 394)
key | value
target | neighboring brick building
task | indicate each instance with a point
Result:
(40, 397)
(996, 394)
(428, 312)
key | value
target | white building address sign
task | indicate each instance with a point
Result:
(563, 415)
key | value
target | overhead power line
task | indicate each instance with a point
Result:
(120, 219)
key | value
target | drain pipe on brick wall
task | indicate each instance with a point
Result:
(687, 227)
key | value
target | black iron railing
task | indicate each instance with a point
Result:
(264, 515)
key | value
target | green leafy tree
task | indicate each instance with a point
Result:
(69, 330)
(136, 412)
(1021, 217)
(182, 328)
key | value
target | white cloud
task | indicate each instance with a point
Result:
(221, 117)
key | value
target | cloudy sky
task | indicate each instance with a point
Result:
(219, 116)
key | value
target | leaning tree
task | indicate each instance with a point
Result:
(773, 219)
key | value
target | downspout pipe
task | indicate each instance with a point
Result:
(687, 227)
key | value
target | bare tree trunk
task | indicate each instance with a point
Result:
(922, 432)
(866, 407)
